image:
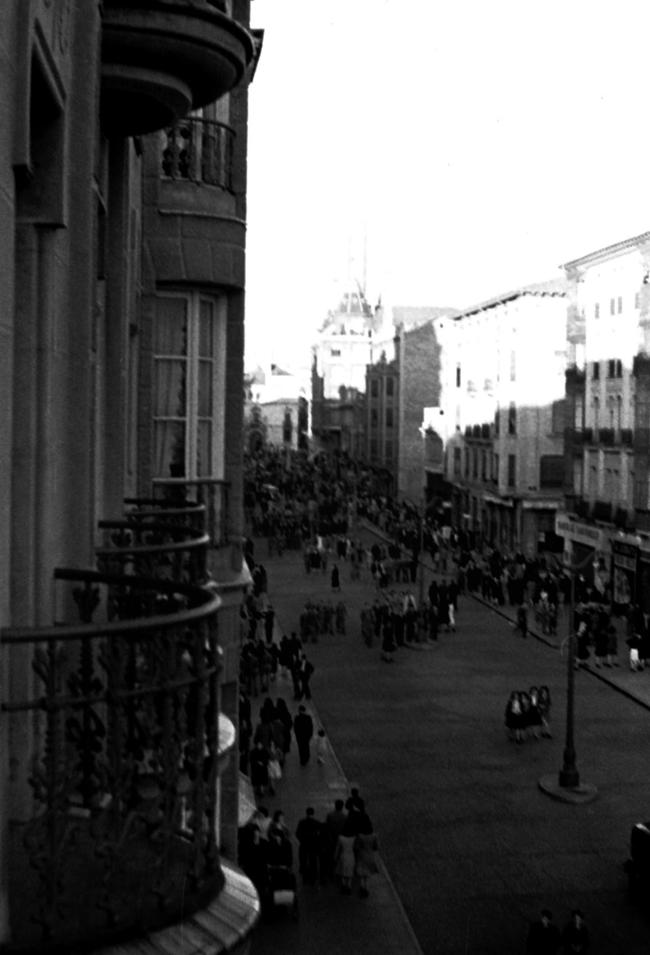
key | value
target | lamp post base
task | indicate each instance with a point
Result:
(554, 786)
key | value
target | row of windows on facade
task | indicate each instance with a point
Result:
(614, 409)
(388, 418)
(389, 389)
(613, 367)
(558, 411)
(615, 305)
(551, 467)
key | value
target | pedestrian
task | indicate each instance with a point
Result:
(514, 718)
(258, 762)
(252, 852)
(544, 707)
(304, 670)
(543, 935)
(303, 729)
(280, 851)
(355, 802)
(535, 724)
(334, 823)
(522, 620)
(634, 644)
(365, 854)
(321, 746)
(344, 860)
(283, 716)
(308, 834)
(575, 937)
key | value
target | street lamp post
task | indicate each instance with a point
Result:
(569, 777)
(566, 786)
(421, 555)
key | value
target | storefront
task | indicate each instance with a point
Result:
(643, 580)
(586, 548)
(625, 565)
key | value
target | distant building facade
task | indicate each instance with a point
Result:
(340, 356)
(505, 457)
(607, 452)
(382, 417)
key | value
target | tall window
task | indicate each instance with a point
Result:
(189, 378)
(596, 414)
(512, 418)
(512, 470)
(390, 386)
(389, 417)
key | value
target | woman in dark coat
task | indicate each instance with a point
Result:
(259, 768)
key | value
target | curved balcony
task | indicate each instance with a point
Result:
(160, 549)
(207, 492)
(199, 150)
(163, 58)
(115, 797)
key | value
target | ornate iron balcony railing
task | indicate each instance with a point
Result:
(114, 792)
(199, 150)
(159, 543)
(209, 493)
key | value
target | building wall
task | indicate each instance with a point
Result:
(419, 377)
(76, 310)
(607, 456)
(382, 415)
(508, 408)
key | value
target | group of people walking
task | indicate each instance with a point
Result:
(320, 618)
(342, 847)
(263, 747)
(528, 714)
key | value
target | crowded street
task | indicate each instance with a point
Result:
(472, 848)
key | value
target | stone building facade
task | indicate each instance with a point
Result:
(123, 194)
(505, 458)
(382, 417)
(607, 449)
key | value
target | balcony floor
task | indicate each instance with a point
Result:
(224, 925)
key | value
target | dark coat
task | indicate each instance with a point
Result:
(303, 727)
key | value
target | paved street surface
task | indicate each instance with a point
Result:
(472, 848)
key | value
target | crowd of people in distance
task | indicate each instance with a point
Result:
(320, 618)
(395, 619)
(528, 714)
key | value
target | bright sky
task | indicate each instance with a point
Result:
(477, 143)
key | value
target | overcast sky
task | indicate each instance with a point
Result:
(477, 145)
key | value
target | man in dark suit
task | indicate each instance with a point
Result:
(303, 729)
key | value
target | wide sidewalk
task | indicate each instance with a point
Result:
(329, 923)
